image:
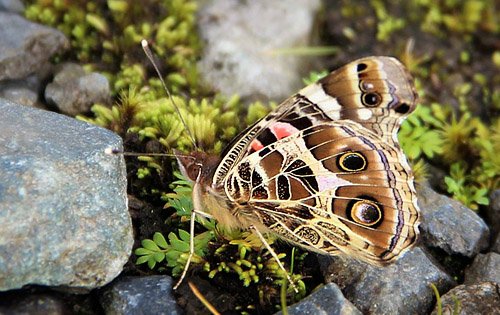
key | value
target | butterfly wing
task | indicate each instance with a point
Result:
(332, 187)
(325, 170)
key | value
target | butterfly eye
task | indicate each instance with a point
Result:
(352, 162)
(194, 171)
(366, 212)
(371, 99)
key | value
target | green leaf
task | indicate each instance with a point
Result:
(142, 260)
(172, 257)
(172, 237)
(149, 244)
(160, 240)
(159, 256)
(143, 251)
(185, 236)
(151, 262)
(180, 246)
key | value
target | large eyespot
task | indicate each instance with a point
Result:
(371, 99)
(365, 212)
(351, 162)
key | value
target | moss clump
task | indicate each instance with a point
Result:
(106, 36)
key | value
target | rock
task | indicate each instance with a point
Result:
(64, 219)
(33, 304)
(140, 295)
(483, 298)
(449, 225)
(400, 288)
(24, 92)
(19, 94)
(496, 245)
(240, 61)
(326, 300)
(493, 212)
(26, 46)
(74, 91)
(13, 6)
(485, 267)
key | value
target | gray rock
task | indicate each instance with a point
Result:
(24, 92)
(63, 206)
(140, 295)
(26, 46)
(13, 6)
(485, 267)
(483, 298)
(496, 245)
(74, 91)
(400, 288)
(239, 37)
(493, 212)
(449, 225)
(327, 300)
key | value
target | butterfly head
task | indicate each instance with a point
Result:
(197, 166)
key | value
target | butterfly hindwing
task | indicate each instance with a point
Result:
(331, 187)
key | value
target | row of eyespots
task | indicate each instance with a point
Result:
(371, 98)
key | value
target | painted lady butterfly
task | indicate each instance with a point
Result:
(324, 170)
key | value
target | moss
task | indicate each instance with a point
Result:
(106, 35)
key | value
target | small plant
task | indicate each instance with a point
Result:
(418, 136)
(464, 189)
(217, 250)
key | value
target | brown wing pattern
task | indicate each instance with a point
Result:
(332, 187)
(324, 170)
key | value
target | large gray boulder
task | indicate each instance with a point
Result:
(63, 206)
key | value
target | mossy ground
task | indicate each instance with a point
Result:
(451, 47)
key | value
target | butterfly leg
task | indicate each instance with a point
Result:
(268, 247)
(191, 243)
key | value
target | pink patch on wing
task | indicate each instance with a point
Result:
(282, 130)
(256, 145)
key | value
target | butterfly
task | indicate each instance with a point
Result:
(324, 170)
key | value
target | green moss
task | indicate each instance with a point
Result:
(107, 35)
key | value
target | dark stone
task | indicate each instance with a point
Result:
(326, 300)
(449, 225)
(400, 288)
(496, 245)
(64, 219)
(140, 295)
(482, 298)
(485, 267)
(24, 92)
(493, 212)
(33, 304)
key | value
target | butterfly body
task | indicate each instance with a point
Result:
(324, 170)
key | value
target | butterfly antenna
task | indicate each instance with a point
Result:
(112, 151)
(148, 53)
